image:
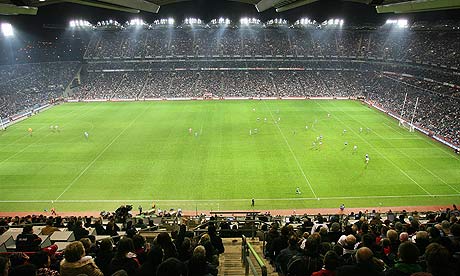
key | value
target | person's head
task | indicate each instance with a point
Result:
(368, 240)
(28, 229)
(335, 227)
(436, 257)
(350, 241)
(4, 266)
(106, 245)
(86, 244)
(364, 255)
(445, 226)
(74, 251)
(205, 238)
(163, 239)
(40, 259)
(331, 260)
(408, 252)
(293, 240)
(285, 231)
(125, 245)
(199, 252)
(138, 241)
(392, 235)
(171, 267)
(404, 236)
(49, 222)
(323, 231)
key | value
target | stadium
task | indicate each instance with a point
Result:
(229, 137)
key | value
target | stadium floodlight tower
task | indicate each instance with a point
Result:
(7, 29)
(400, 23)
(221, 21)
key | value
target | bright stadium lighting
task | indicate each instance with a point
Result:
(249, 21)
(170, 21)
(7, 29)
(72, 24)
(400, 23)
(333, 22)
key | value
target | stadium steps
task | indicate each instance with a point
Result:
(230, 261)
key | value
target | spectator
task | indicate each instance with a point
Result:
(331, 262)
(49, 228)
(28, 241)
(364, 266)
(42, 262)
(75, 262)
(408, 256)
(125, 258)
(198, 265)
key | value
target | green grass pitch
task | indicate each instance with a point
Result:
(139, 152)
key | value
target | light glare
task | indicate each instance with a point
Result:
(7, 29)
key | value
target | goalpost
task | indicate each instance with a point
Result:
(402, 122)
(2, 126)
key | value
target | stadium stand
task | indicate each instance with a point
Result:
(393, 243)
(264, 62)
(178, 62)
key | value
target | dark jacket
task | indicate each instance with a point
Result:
(28, 242)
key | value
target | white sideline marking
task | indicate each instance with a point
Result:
(420, 165)
(386, 158)
(100, 154)
(224, 200)
(292, 152)
(27, 135)
(425, 140)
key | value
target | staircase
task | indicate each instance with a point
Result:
(230, 261)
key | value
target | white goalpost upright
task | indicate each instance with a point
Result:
(2, 126)
(402, 122)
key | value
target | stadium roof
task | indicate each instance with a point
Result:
(30, 7)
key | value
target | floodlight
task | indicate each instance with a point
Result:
(171, 21)
(402, 23)
(7, 29)
(72, 24)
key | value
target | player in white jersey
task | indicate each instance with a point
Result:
(360, 130)
(56, 128)
(297, 191)
(367, 158)
(306, 127)
(355, 148)
(86, 135)
(344, 132)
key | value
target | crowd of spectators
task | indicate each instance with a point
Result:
(438, 107)
(364, 243)
(257, 41)
(367, 244)
(26, 86)
(121, 254)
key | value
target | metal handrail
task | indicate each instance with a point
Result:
(247, 249)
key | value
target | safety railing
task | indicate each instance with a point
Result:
(246, 251)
